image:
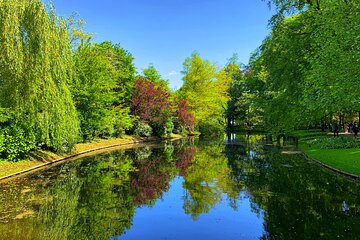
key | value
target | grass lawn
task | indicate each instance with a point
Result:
(347, 160)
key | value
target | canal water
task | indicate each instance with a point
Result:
(244, 187)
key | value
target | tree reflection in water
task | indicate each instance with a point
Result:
(207, 180)
(96, 197)
(152, 177)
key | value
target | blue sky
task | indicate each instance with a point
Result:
(165, 32)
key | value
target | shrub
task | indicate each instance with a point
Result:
(142, 129)
(162, 129)
(16, 141)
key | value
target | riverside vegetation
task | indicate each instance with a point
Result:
(59, 88)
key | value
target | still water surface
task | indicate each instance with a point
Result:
(243, 188)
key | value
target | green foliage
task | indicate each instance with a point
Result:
(77, 34)
(104, 78)
(206, 179)
(142, 129)
(244, 108)
(152, 74)
(334, 143)
(123, 121)
(5, 115)
(36, 69)
(309, 63)
(206, 91)
(283, 55)
(233, 70)
(288, 7)
(16, 141)
(211, 128)
(163, 129)
(334, 52)
(169, 127)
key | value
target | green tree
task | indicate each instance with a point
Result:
(104, 83)
(233, 70)
(333, 75)
(309, 71)
(284, 55)
(36, 69)
(152, 74)
(205, 89)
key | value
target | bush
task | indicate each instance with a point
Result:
(211, 128)
(16, 142)
(335, 143)
(162, 129)
(142, 129)
(123, 122)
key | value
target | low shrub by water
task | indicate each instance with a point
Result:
(142, 129)
(335, 143)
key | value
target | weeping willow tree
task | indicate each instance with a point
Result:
(35, 71)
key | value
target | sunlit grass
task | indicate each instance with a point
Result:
(40, 157)
(347, 160)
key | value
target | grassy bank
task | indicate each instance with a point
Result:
(344, 159)
(41, 157)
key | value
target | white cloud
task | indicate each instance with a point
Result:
(172, 73)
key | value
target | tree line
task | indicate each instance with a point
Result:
(305, 73)
(58, 87)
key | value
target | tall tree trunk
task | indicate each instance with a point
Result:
(340, 123)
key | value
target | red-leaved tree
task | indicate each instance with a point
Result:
(150, 102)
(184, 159)
(150, 181)
(184, 117)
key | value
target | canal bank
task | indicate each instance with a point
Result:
(340, 155)
(330, 168)
(40, 159)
